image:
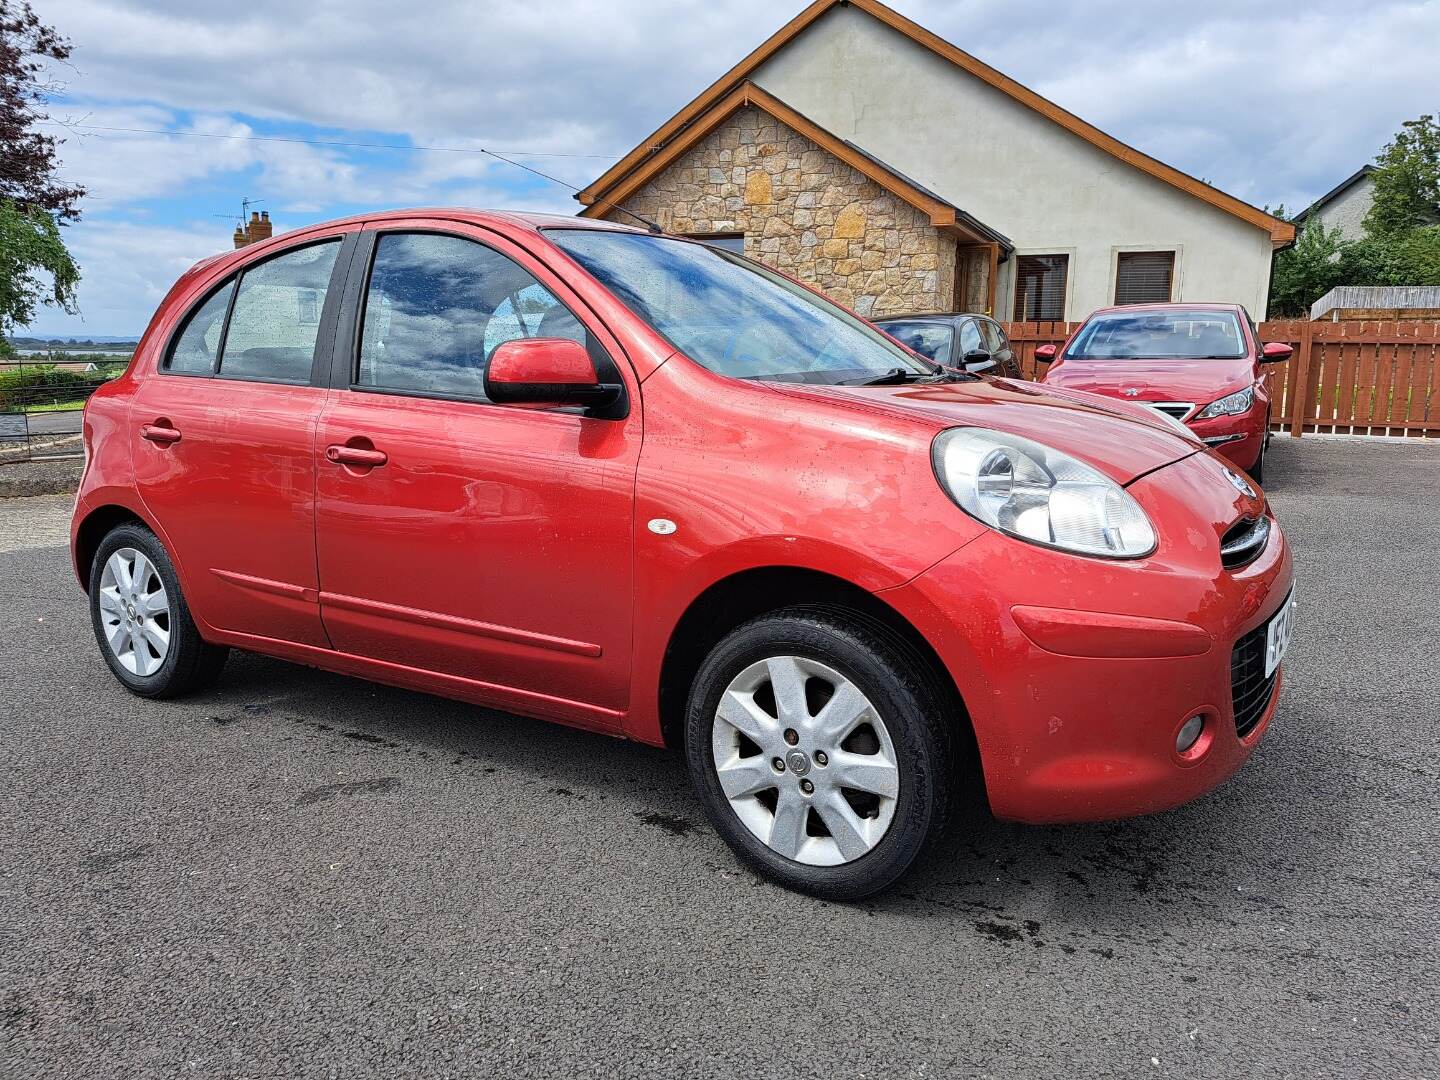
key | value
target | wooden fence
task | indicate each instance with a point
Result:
(1348, 378)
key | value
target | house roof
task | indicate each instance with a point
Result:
(940, 211)
(604, 188)
(1335, 192)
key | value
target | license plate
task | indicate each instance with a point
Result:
(1278, 633)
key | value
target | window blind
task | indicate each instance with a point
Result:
(1040, 288)
(1143, 277)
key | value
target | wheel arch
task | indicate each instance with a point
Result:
(92, 529)
(746, 594)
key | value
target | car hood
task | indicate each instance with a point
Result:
(1123, 441)
(1199, 381)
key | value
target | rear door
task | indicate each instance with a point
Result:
(483, 542)
(224, 437)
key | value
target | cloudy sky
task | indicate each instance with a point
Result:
(1273, 102)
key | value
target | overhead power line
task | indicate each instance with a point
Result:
(326, 142)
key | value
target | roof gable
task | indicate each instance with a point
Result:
(940, 212)
(605, 187)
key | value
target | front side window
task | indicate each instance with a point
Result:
(969, 337)
(1184, 334)
(927, 338)
(733, 316)
(1040, 287)
(276, 320)
(198, 346)
(438, 306)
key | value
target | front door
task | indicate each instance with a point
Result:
(478, 541)
(223, 444)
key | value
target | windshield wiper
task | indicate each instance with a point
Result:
(893, 377)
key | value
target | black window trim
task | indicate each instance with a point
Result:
(324, 336)
(345, 366)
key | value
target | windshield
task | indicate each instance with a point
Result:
(734, 316)
(1156, 335)
(927, 338)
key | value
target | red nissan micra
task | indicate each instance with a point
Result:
(643, 486)
(1199, 363)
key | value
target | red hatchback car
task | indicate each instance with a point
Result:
(1199, 363)
(647, 487)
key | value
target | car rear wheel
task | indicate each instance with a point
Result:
(816, 741)
(141, 620)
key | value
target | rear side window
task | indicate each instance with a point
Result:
(198, 345)
(438, 306)
(276, 321)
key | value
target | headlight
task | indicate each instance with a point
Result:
(1233, 405)
(1036, 493)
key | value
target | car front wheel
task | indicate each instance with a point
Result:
(817, 741)
(141, 620)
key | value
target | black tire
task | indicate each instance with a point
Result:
(1258, 472)
(191, 663)
(903, 689)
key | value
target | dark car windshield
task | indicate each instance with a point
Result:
(930, 339)
(734, 316)
(1159, 335)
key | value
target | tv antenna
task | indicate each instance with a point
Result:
(245, 205)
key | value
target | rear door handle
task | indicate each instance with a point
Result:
(160, 433)
(355, 455)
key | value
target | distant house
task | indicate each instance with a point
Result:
(1344, 206)
(860, 152)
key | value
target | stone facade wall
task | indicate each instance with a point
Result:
(806, 213)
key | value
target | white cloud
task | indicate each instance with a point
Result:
(1266, 100)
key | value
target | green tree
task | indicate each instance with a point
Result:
(30, 245)
(1407, 180)
(1307, 271)
(34, 201)
(1407, 257)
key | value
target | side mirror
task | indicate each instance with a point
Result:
(977, 360)
(1044, 354)
(1275, 352)
(546, 372)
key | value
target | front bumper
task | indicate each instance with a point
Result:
(1067, 737)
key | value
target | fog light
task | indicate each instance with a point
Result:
(1189, 734)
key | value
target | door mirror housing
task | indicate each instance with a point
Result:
(1275, 352)
(547, 373)
(1045, 353)
(977, 360)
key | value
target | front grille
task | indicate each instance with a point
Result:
(1178, 409)
(1244, 541)
(1250, 689)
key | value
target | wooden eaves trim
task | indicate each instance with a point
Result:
(1281, 232)
(940, 213)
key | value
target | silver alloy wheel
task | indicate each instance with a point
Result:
(135, 611)
(815, 800)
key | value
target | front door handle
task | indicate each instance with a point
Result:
(356, 455)
(160, 432)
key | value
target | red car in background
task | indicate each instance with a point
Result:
(646, 487)
(1198, 363)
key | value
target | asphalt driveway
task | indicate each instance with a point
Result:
(301, 874)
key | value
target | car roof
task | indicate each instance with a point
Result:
(1165, 306)
(932, 316)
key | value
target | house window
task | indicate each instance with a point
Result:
(729, 241)
(1143, 277)
(1040, 287)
